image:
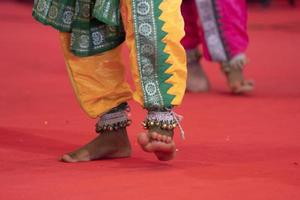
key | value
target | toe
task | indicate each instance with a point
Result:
(169, 140)
(246, 88)
(154, 135)
(163, 147)
(144, 142)
(159, 137)
(164, 138)
(167, 152)
(249, 82)
(143, 139)
(164, 156)
(67, 158)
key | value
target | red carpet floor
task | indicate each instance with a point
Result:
(237, 148)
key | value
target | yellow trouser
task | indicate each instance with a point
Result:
(99, 81)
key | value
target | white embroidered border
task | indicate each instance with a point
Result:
(211, 32)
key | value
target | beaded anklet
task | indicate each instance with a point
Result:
(165, 120)
(115, 119)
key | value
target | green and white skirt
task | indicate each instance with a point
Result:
(94, 25)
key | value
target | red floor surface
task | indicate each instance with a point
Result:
(237, 148)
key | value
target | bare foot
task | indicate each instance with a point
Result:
(197, 80)
(159, 142)
(107, 145)
(235, 76)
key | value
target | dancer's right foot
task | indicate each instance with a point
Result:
(159, 142)
(108, 145)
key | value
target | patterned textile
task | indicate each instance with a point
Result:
(153, 29)
(150, 55)
(212, 33)
(223, 30)
(159, 51)
(94, 24)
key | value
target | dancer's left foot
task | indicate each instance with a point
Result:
(159, 142)
(235, 77)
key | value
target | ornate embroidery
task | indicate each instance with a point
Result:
(41, 6)
(89, 36)
(53, 12)
(146, 44)
(211, 30)
(98, 38)
(147, 49)
(108, 11)
(143, 8)
(67, 17)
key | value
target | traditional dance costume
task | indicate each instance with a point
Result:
(91, 32)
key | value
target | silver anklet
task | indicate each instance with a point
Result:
(166, 120)
(114, 120)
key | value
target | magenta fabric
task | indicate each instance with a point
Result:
(192, 28)
(233, 25)
(231, 21)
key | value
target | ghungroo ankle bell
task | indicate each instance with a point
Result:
(114, 120)
(166, 120)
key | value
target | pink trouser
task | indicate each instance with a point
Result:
(222, 30)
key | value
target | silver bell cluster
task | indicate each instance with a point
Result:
(165, 125)
(165, 120)
(113, 127)
(113, 121)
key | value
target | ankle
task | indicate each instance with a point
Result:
(239, 58)
(116, 137)
(115, 119)
(193, 55)
(163, 122)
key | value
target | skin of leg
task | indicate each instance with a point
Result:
(155, 141)
(99, 85)
(197, 80)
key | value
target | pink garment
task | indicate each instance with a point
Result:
(223, 30)
(192, 29)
